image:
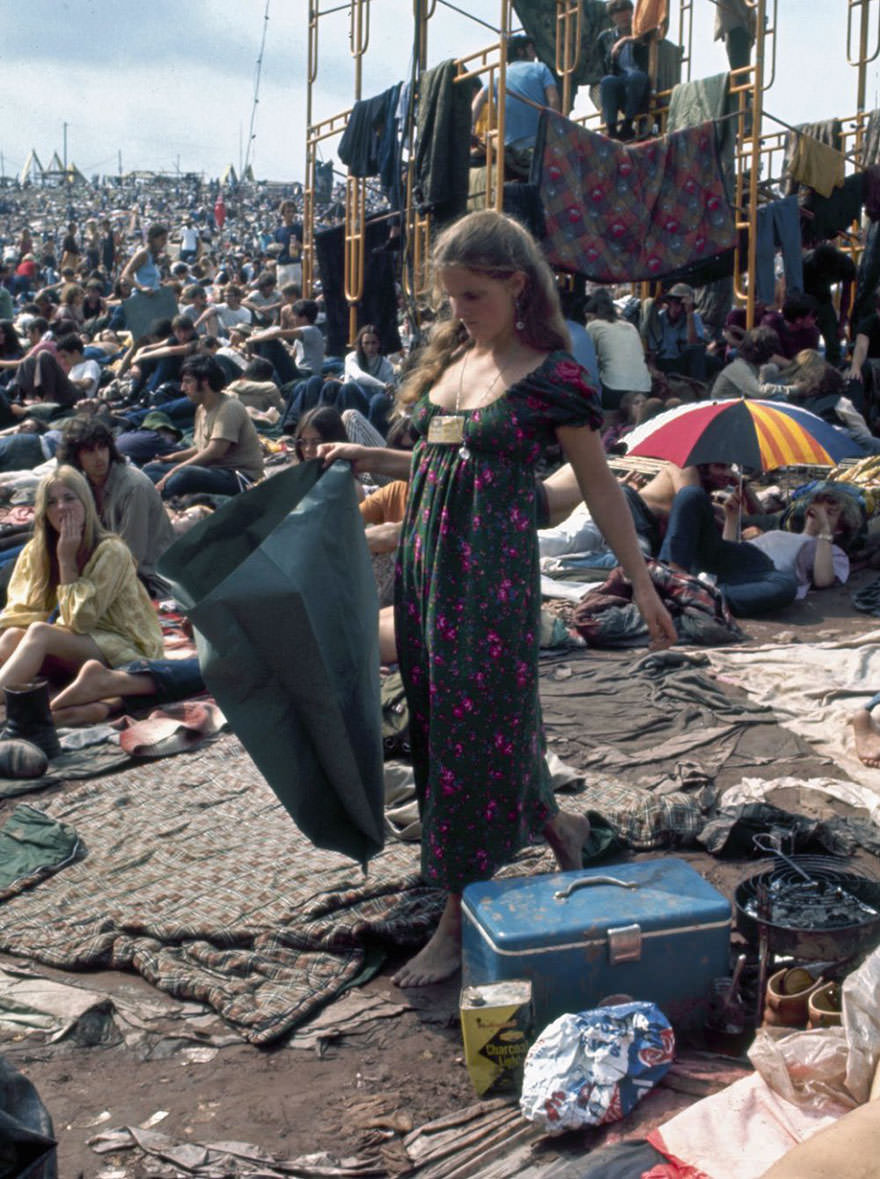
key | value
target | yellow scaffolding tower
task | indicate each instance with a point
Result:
(758, 152)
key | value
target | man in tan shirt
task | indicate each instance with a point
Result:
(226, 456)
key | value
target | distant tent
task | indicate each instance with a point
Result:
(55, 164)
(247, 175)
(229, 179)
(74, 176)
(32, 172)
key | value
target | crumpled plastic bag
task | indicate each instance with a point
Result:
(805, 1068)
(861, 1018)
(596, 1066)
(828, 1069)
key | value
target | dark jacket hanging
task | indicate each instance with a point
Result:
(379, 302)
(442, 157)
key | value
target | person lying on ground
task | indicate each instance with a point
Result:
(74, 571)
(771, 569)
(99, 692)
(651, 504)
(126, 499)
(24, 446)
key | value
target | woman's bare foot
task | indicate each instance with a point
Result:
(867, 735)
(441, 957)
(93, 682)
(567, 833)
(84, 714)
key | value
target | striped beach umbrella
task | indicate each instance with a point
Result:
(756, 435)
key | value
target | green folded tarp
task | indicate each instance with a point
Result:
(279, 586)
(32, 846)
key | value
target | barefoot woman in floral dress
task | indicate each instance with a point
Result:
(493, 387)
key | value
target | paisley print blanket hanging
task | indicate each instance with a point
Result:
(623, 213)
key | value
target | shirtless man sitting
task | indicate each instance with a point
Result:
(650, 505)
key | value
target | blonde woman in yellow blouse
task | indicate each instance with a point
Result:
(84, 577)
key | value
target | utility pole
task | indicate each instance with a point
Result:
(119, 157)
(65, 126)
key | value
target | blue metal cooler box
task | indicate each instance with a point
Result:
(654, 930)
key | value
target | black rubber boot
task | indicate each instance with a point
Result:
(28, 717)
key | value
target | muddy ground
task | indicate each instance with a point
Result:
(294, 1101)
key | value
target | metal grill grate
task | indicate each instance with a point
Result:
(829, 899)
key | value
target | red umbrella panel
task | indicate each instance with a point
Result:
(756, 435)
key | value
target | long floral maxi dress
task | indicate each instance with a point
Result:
(467, 617)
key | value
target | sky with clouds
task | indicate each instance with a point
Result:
(167, 82)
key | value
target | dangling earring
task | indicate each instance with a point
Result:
(518, 321)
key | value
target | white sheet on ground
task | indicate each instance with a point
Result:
(757, 790)
(812, 688)
(739, 1132)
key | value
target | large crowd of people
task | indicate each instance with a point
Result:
(158, 354)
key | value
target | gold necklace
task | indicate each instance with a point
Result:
(463, 451)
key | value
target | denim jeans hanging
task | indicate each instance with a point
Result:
(779, 225)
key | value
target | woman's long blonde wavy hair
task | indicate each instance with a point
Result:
(45, 540)
(499, 247)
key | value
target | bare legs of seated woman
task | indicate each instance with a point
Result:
(42, 647)
(97, 693)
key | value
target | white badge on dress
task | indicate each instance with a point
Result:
(446, 428)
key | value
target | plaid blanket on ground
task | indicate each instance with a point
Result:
(196, 878)
(620, 213)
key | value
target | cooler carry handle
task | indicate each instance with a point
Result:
(563, 894)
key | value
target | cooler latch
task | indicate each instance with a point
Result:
(624, 944)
